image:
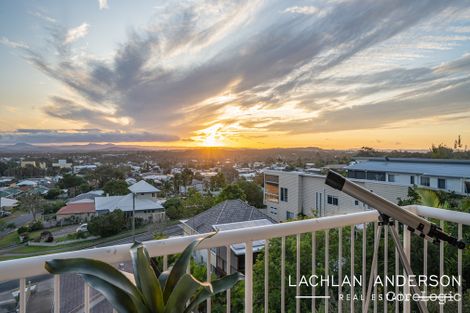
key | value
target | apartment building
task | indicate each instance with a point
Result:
(447, 175)
(288, 194)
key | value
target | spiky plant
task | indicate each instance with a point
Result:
(428, 198)
(172, 291)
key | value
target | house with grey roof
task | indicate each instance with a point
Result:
(227, 215)
(142, 199)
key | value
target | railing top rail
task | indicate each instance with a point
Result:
(32, 266)
(441, 214)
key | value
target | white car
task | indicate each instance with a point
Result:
(82, 228)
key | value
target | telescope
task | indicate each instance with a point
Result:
(415, 223)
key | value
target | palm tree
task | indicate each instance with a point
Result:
(428, 197)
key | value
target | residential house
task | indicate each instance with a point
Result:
(142, 199)
(38, 164)
(289, 194)
(62, 164)
(229, 214)
(7, 204)
(79, 210)
(90, 195)
(437, 174)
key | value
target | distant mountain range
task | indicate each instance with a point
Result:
(26, 147)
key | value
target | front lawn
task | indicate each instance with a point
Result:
(8, 240)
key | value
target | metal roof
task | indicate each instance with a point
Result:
(142, 187)
(229, 211)
(125, 203)
(416, 166)
(239, 248)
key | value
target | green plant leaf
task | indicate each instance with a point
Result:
(184, 289)
(219, 285)
(100, 270)
(119, 299)
(181, 264)
(146, 280)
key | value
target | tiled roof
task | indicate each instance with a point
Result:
(229, 211)
(77, 208)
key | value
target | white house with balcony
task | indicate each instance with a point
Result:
(437, 174)
(142, 199)
(290, 194)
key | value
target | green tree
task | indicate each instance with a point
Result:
(218, 181)
(174, 208)
(441, 152)
(116, 187)
(70, 181)
(195, 203)
(105, 173)
(53, 193)
(187, 176)
(107, 224)
(231, 175)
(231, 192)
(253, 192)
(32, 203)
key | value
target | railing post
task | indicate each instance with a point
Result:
(56, 293)
(266, 276)
(352, 239)
(283, 274)
(297, 273)
(86, 299)
(248, 277)
(407, 250)
(208, 272)
(22, 295)
(327, 266)
(340, 268)
(314, 268)
(441, 267)
(229, 271)
(459, 269)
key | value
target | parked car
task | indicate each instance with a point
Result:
(4, 213)
(82, 228)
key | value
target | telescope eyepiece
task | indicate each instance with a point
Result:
(335, 180)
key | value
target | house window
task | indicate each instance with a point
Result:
(356, 174)
(290, 215)
(356, 202)
(283, 194)
(271, 188)
(467, 187)
(332, 200)
(273, 210)
(391, 178)
(318, 201)
(425, 181)
(441, 183)
(412, 180)
(380, 176)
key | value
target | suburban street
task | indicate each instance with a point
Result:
(19, 221)
(72, 286)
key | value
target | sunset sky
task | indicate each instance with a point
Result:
(332, 74)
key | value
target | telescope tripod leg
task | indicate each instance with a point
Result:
(406, 265)
(373, 268)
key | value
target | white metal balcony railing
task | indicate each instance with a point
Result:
(24, 269)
